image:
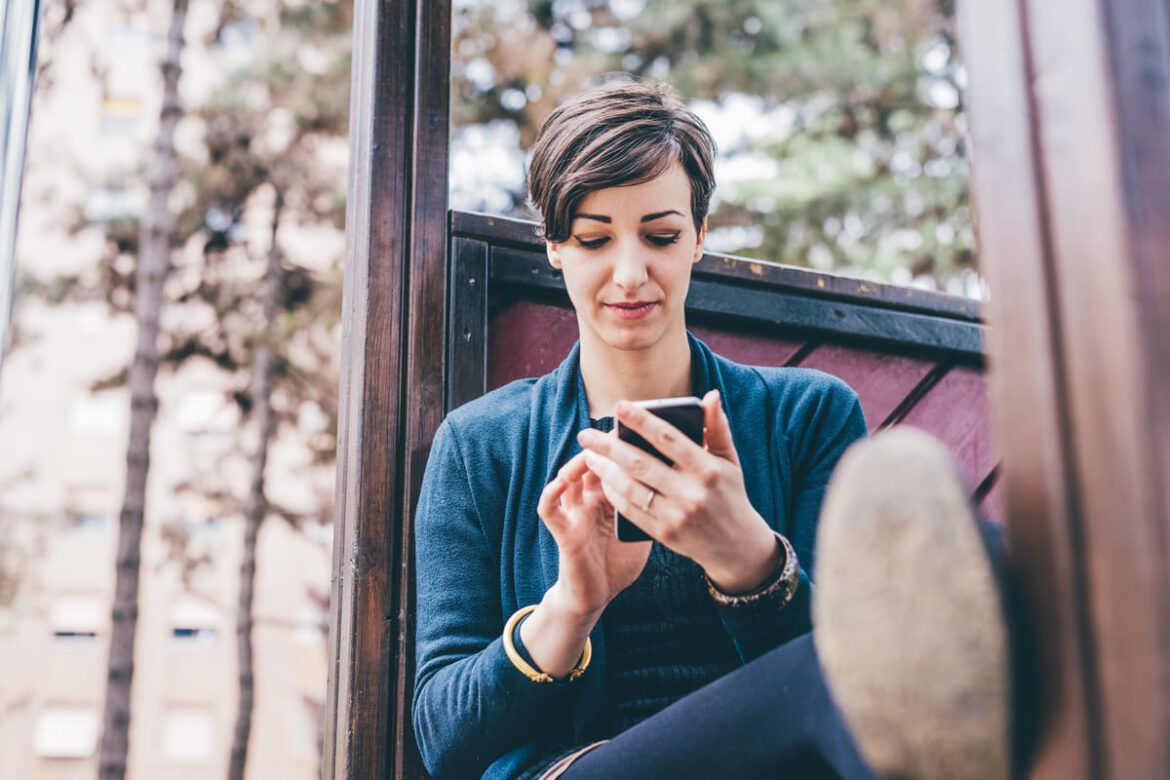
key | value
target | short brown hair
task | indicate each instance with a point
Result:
(620, 133)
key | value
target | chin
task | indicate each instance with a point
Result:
(629, 339)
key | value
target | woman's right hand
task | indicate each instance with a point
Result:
(594, 565)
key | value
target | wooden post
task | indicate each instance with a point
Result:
(1071, 132)
(392, 375)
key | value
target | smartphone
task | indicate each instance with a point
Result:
(686, 414)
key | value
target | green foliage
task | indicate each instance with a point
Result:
(858, 105)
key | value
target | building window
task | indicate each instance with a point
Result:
(90, 522)
(77, 619)
(194, 634)
(101, 415)
(312, 626)
(203, 527)
(66, 732)
(110, 203)
(120, 117)
(194, 623)
(188, 735)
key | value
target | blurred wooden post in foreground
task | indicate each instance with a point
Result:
(392, 380)
(18, 62)
(1071, 134)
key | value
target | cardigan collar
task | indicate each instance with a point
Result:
(571, 407)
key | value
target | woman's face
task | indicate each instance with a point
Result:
(627, 263)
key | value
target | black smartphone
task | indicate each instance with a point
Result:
(686, 414)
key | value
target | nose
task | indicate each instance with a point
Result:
(629, 267)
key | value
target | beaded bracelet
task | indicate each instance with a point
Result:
(526, 668)
(776, 591)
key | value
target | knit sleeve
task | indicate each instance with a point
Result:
(471, 705)
(819, 427)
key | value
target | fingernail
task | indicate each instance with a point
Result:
(585, 435)
(621, 408)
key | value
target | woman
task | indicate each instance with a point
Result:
(540, 636)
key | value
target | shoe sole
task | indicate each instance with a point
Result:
(909, 624)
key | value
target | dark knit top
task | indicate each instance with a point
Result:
(664, 638)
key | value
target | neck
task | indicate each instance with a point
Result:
(611, 375)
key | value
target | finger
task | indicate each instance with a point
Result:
(622, 492)
(718, 428)
(592, 491)
(574, 467)
(572, 494)
(548, 508)
(640, 465)
(667, 439)
(620, 503)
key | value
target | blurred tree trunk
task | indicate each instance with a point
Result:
(154, 258)
(256, 506)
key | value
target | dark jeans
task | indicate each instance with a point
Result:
(772, 718)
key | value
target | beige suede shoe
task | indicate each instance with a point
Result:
(909, 624)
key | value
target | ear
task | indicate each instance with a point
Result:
(554, 255)
(702, 238)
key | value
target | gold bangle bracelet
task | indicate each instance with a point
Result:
(526, 668)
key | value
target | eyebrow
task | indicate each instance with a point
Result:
(647, 218)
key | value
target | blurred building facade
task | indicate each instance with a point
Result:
(62, 466)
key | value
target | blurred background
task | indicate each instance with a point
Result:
(842, 144)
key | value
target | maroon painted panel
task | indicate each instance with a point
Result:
(882, 380)
(749, 348)
(526, 338)
(955, 411)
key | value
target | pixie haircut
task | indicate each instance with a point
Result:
(621, 133)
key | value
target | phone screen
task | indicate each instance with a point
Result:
(686, 414)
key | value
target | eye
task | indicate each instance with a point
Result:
(664, 240)
(596, 243)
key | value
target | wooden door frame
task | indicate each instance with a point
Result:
(392, 374)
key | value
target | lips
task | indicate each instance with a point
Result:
(633, 310)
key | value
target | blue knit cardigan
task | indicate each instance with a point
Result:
(482, 552)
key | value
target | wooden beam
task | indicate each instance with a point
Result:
(392, 379)
(520, 234)
(720, 294)
(1070, 116)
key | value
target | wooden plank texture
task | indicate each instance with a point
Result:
(1028, 410)
(1106, 357)
(1072, 118)
(882, 380)
(467, 334)
(776, 311)
(954, 411)
(392, 394)
(528, 338)
(520, 234)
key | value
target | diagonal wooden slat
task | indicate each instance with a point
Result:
(882, 380)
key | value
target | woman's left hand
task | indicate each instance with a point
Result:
(699, 507)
